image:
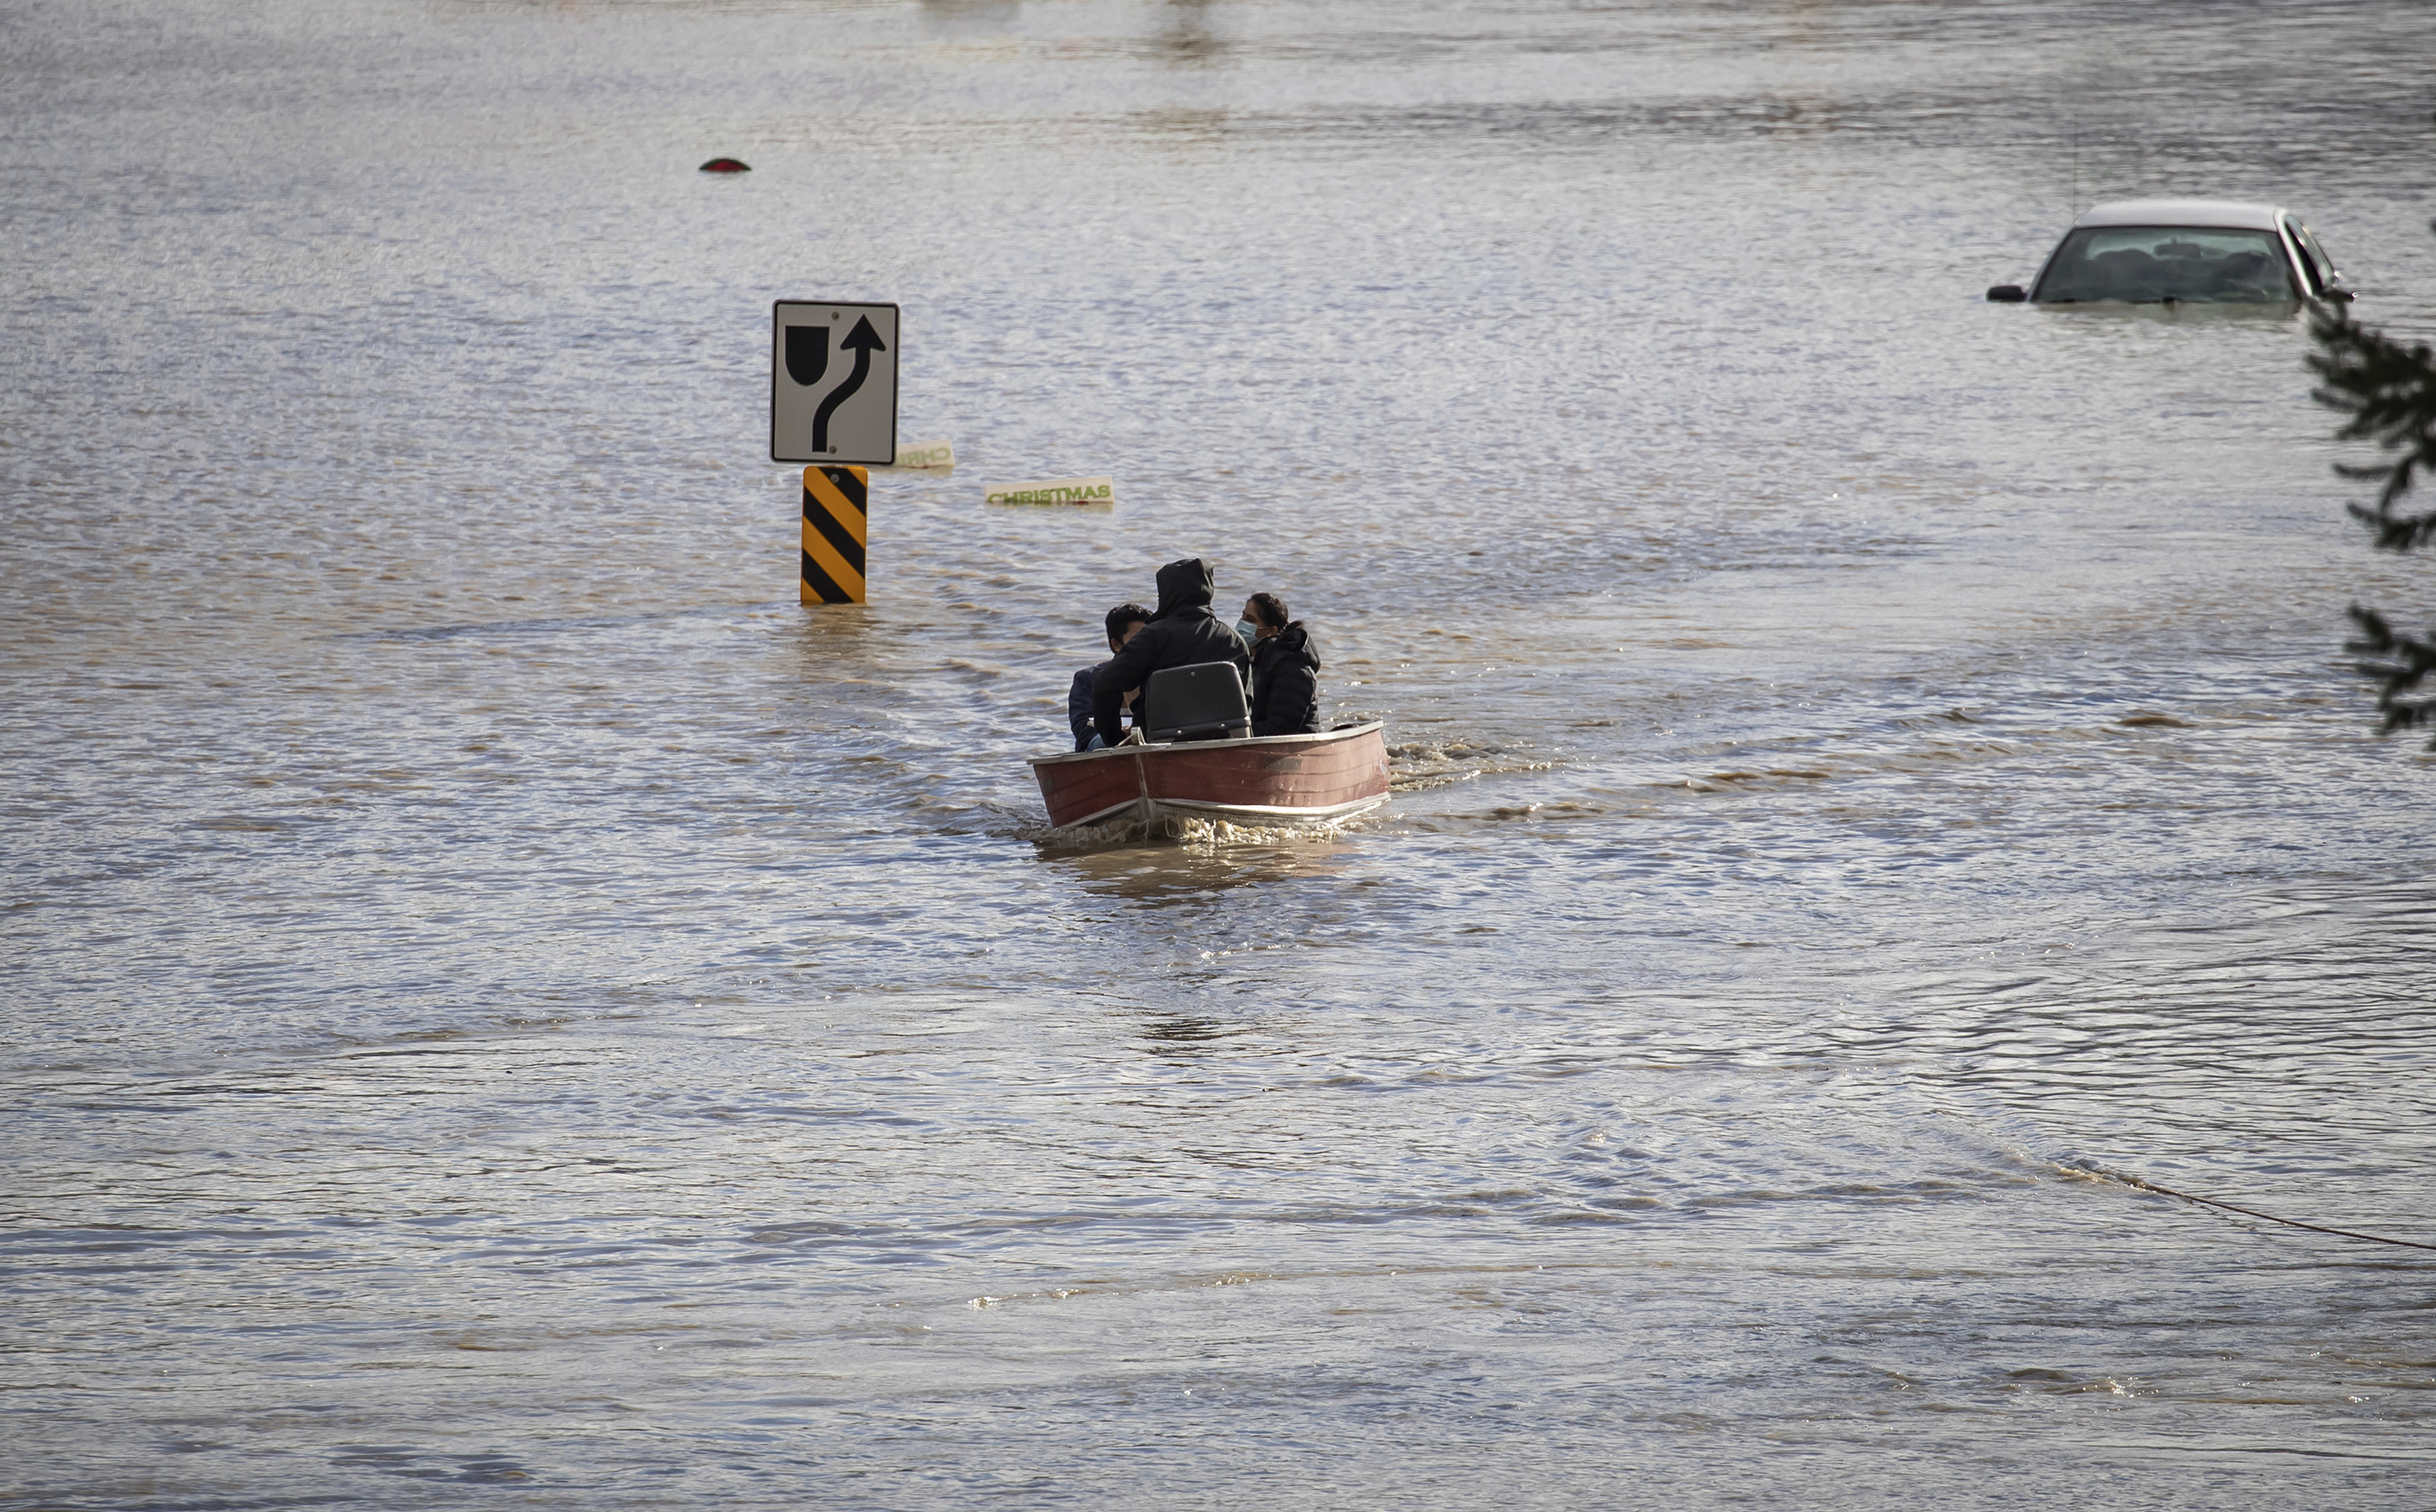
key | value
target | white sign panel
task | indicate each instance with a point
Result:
(1084, 493)
(938, 455)
(832, 383)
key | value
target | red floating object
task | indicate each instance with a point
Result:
(725, 166)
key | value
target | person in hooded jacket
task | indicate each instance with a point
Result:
(1183, 634)
(1285, 669)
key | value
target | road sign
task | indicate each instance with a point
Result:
(832, 383)
(837, 504)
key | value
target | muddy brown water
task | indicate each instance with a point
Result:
(499, 994)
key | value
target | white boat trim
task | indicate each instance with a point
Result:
(1346, 734)
(1112, 812)
(1255, 810)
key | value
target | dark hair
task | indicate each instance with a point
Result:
(1124, 614)
(1270, 610)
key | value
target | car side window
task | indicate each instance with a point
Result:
(2311, 268)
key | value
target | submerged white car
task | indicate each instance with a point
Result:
(2182, 251)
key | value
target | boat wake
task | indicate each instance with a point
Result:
(1193, 834)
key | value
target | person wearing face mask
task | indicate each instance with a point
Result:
(1285, 669)
(1125, 621)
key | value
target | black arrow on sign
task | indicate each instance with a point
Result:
(862, 341)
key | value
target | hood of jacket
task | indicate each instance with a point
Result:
(1293, 642)
(1184, 587)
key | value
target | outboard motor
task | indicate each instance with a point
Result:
(1204, 701)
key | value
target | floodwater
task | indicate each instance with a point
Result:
(498, 994)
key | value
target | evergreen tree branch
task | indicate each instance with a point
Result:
(2400, 663)
(2388, 391)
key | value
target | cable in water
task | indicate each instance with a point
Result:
(2097, 1172)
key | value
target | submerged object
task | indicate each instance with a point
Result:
(726, 165)
(2182, 251)
(1082, 493)
(1264, 779)
(933, 456)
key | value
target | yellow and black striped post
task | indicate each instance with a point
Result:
(836, 500)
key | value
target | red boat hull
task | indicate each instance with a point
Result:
(1266, 780)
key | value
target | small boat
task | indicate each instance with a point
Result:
(1266, 779)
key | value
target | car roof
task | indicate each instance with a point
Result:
(2183, 212)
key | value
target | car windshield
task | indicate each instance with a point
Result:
(2147, 264)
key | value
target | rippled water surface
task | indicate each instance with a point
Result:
(498, 994)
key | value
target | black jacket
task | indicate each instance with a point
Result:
(1079, 712)
(1182, 634)
(1285, 684)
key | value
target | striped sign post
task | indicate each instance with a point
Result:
(836, 501)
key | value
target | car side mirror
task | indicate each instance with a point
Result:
(2008, 294)
(2341, 296)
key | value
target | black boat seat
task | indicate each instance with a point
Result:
(1203, 702)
